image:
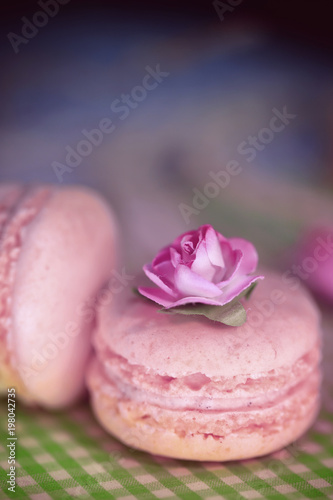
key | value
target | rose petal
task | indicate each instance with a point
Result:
(221, 238)
(189, 283)
(194, 300)
(175, 257)
(162, 256)
(250, 256)
(214, 248)
(162, 298)
(189, 244)
(166, 272)
(187, 247)
(157, 295)
(232, 260)
(202, 265)
(158, 280)
(236, 286)
(177, 242)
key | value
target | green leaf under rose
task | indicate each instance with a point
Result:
(231, 314)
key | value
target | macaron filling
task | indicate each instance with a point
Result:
(183, 394)
(123, 374)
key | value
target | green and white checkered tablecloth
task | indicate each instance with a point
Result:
(68, 455)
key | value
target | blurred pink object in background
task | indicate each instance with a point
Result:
(314, 257)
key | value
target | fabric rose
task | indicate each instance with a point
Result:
(201, 266)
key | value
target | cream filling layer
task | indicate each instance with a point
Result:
(115, 387)
(137, 378)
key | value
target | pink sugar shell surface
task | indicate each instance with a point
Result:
(57, 248)
(189, 388)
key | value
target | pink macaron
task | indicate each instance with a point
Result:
(195, 389)
(57, 248)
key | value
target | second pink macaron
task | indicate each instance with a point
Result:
(194, 389)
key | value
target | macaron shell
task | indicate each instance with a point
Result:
(18, 207)
(274, 335)
(10, 195)
(68, 254)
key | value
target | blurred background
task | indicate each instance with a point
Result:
(179, 112)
